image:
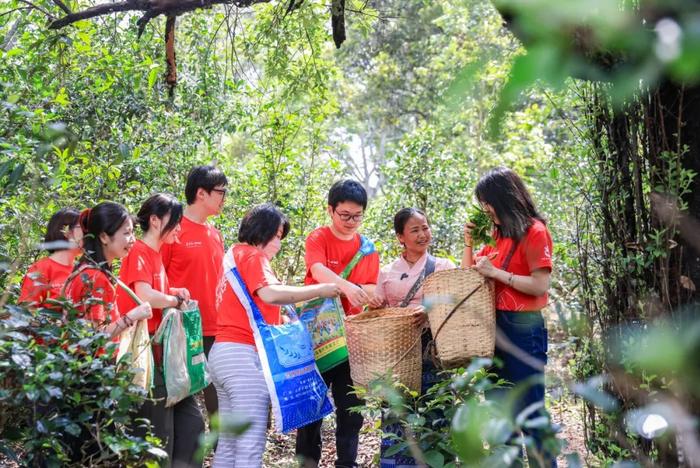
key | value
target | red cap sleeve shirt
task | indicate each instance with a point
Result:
(44, 280)
(322, 246)
(195, 262)
(94, 295)
(142, 264)
(534, 252)
(256, 271)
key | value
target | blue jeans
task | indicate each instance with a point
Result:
(524, 331)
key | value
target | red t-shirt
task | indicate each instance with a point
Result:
(142, 263)
(256, 271)
(44, 280)
(195, 262)
(94, 295)
(532, 253)
(322, 246)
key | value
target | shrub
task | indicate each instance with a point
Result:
(64, 401)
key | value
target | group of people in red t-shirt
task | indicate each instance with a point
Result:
(180, 257)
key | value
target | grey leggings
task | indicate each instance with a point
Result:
(240, 386)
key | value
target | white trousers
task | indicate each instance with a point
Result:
(240, 386)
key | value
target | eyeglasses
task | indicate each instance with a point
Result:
(223, 192)
(349, 217)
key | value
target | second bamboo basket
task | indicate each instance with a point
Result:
(382, 341)
(470, 331)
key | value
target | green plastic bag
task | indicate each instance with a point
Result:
(184, 362)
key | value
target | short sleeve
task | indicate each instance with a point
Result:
(444, 264)
(257, 273)
(34, 286)
(315, 250)
(484, 251)
(136, 268)
(372, 269)
(538, 249)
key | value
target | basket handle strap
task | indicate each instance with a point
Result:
(408, 350)
(454, 309)
(419, 339)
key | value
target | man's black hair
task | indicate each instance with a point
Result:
(347, 190)
(205, 177)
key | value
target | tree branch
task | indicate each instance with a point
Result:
(152, 8)
(63, 6)
(37, 7)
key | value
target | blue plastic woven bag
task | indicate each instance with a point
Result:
(298, 394)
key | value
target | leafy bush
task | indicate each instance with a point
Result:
(64, 401)
(452, 424)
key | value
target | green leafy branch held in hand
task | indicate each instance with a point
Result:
(481, 234)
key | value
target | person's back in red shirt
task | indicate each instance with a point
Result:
(46, 277)
(44, 280)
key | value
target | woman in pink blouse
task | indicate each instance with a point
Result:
(398, 278)
(400, 285)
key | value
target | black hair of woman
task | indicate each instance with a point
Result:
(60, 223)
(505, 191)
(105, 217)
(261, 224)
(403, 215)
(160, 205)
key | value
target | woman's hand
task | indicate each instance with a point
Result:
(356, 295)
(484, 266)
(468, 241)
(329, 290)
(141, 312)
(421, 317)
(377, 302)
(182, 292)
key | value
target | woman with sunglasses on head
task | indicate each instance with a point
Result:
(400, 285)
(142, 270)
(108, 236)
(520, 264)
(45, 278)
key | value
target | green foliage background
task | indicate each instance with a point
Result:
(87, 117)
(421, 99)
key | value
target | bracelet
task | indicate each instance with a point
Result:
(510, 279)
(468, 245)
(128, 321)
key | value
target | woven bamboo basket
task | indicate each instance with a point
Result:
(382, 341)
(471, 330)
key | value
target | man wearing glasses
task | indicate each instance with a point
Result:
(195, 260)
(329, 249)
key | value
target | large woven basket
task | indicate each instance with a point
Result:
(471, 330)
(384, 341)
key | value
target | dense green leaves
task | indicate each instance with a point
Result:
(59, 379)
